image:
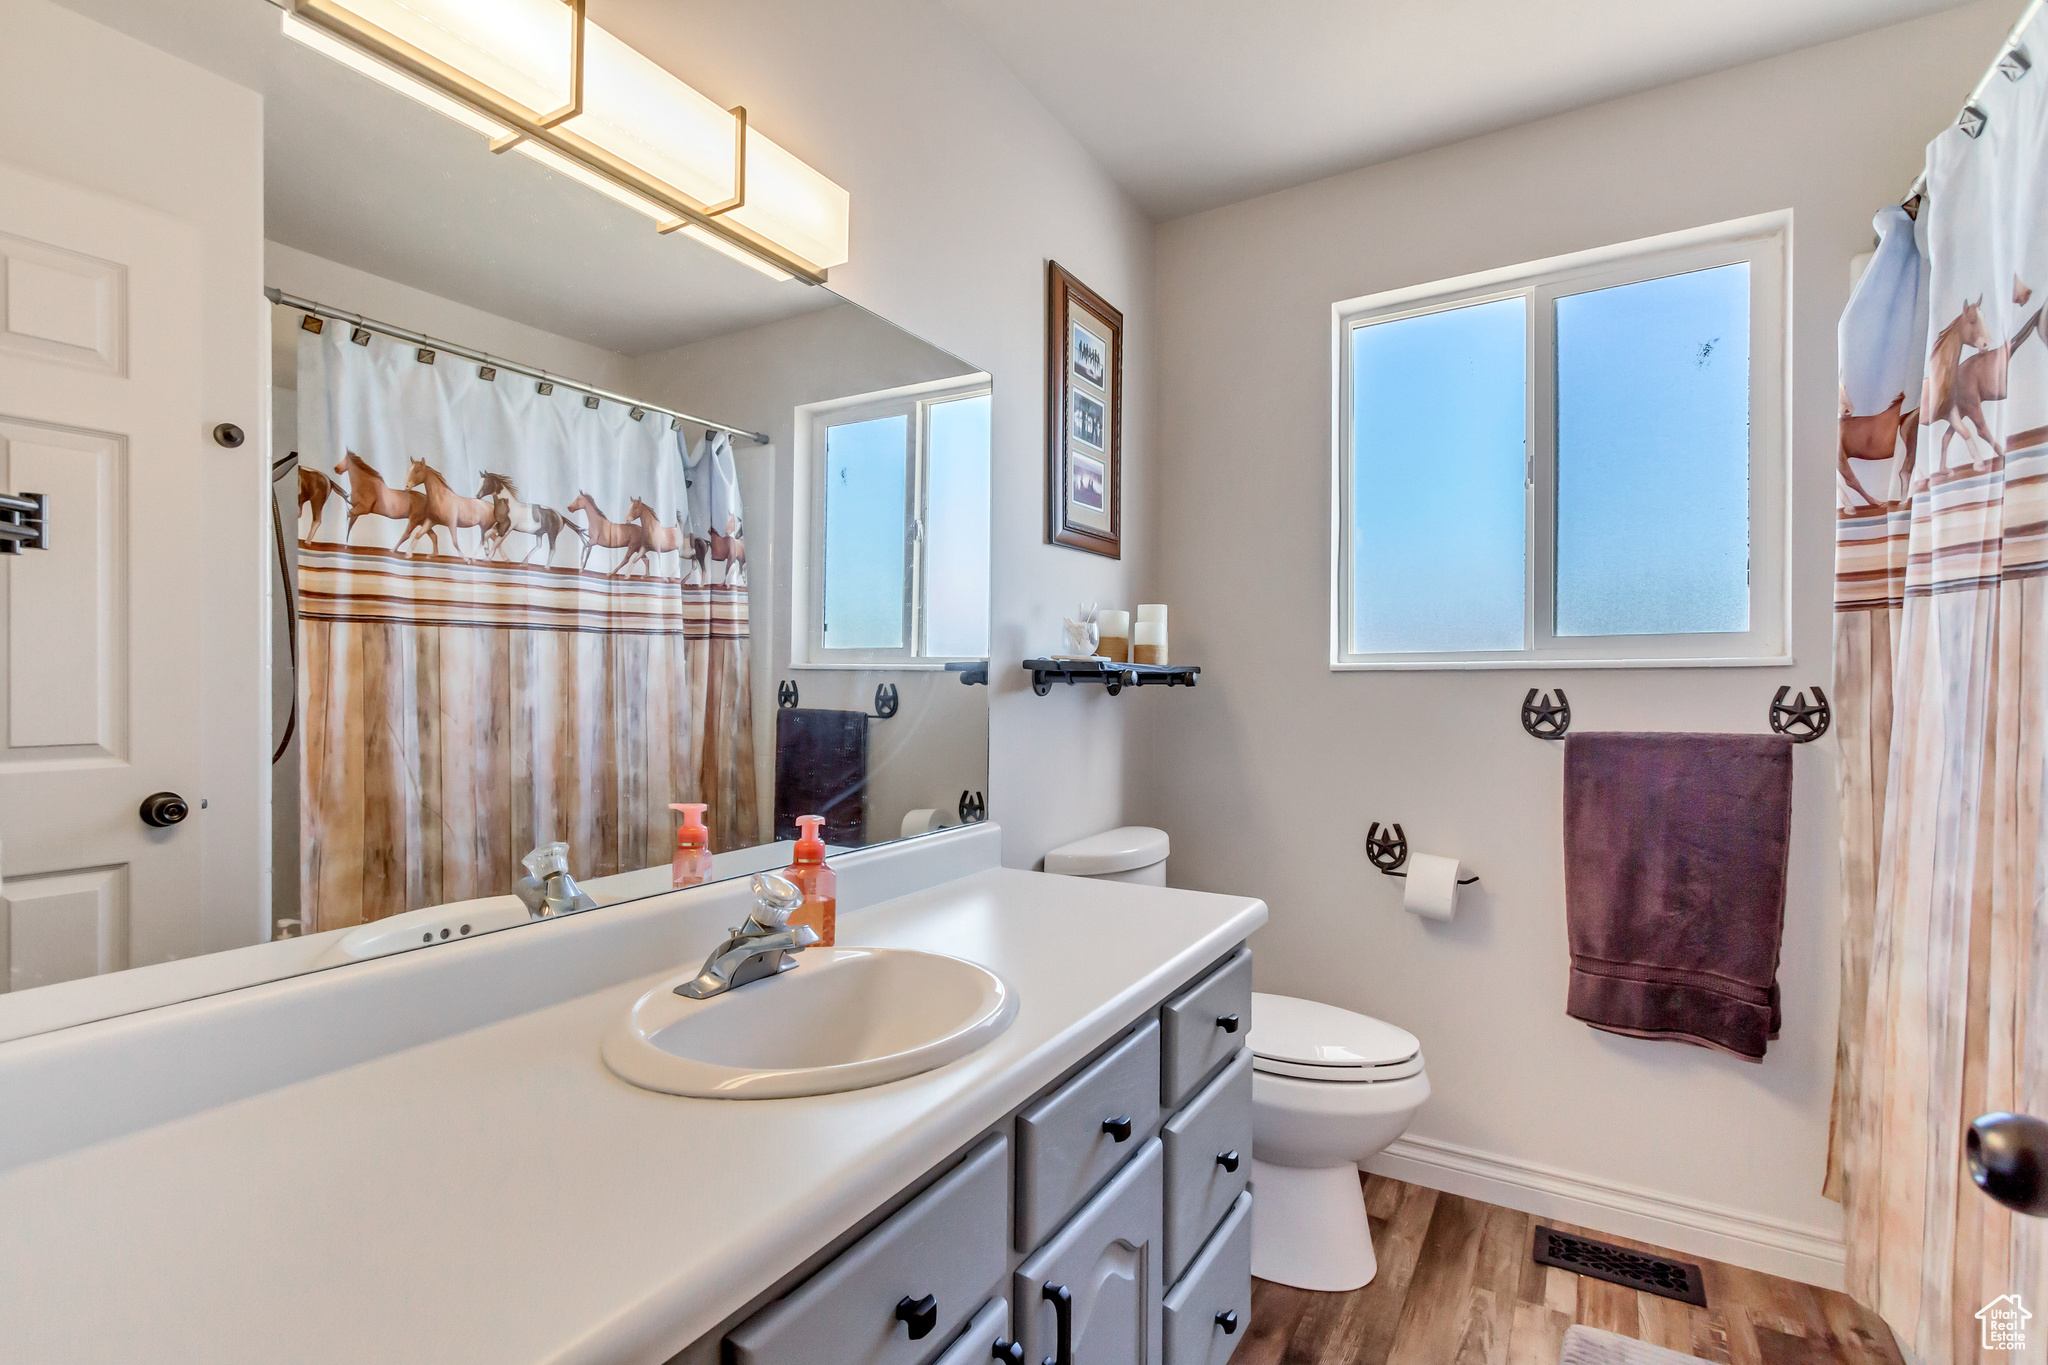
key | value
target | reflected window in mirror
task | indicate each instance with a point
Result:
(897, 527)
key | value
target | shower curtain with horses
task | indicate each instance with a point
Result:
(1941, 705)
(513, 629)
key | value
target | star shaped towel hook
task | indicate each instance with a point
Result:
(1545, 719)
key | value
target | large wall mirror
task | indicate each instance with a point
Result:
(571, 522)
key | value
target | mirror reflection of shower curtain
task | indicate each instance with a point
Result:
(512, 632)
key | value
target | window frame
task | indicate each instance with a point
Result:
(807, 615)
(1765, 243)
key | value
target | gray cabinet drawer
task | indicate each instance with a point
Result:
(1204, 1025)
(1203, 1142)
(1065, 1148)
(1107, 1259)
(1210, 1310)
(947, 1242)
(977, 1344)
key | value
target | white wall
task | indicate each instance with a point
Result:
(189, 145)
(963, 186)
(937, 743)
(1267, 775)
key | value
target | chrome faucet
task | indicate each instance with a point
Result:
(763, 946)
(547, 888)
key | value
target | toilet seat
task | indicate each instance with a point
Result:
(1309, 1040)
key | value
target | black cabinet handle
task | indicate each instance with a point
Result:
(920, 1315)
(1118, 1127)
(1228, 1160)
(1227, 1022)
(1227, 1320)
(1009, 1352)
(1062, 1301)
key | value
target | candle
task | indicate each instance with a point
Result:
(1115, 641)
(1148, 642)
(1152, 611)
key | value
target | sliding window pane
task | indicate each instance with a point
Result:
(1439, 471)
(957, 514)
(1653, 456)
(865, 573)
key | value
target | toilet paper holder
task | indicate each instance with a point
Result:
(1389, 852)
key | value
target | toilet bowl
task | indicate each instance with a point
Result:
(1329, 1089)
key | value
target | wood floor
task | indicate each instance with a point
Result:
(1457, 1286)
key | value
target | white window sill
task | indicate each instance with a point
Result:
(1549, 665)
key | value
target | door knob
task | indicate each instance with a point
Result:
(920, 1315)
(1118, 1128)
(162, 809)
(1009, 1352)
(2008, 1155)
(1228, 1160)
(1227, 1320)
(1227, 1022)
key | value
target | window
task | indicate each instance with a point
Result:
(1579, 461)
(893, 496)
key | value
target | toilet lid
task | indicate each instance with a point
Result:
(1309, 1039)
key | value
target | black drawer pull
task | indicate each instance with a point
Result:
(1227, 1320)
(1118, 1127)
(920, 1315)
(1227, 1022)
(1062, 1300)
(1009, 1352)
(1228, 1160)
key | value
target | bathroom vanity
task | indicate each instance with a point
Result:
(425, 1158)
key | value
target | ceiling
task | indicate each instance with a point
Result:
(1190, 104)
(358, 174)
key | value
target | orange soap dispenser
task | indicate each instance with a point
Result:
(693, 846)
(819, 883)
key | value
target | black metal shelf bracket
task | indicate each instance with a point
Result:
(1799, 721)
(1114, 677)
(1389, 852)
(971, 673)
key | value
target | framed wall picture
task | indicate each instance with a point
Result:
(1084, 417)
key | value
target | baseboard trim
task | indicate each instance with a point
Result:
(1809, 1255)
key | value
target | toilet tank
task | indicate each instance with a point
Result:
(1134, 853)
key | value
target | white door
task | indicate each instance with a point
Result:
(100, 408)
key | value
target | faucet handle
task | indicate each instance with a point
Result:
(775, 898)
(547, 860)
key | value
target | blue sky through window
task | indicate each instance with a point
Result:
(956, 539)
(1439, 461)
(1653, 456)
(866, 464)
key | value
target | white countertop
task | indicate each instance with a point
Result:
(499, 1196)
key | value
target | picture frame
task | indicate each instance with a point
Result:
(1084, 416)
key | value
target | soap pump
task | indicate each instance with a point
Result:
(819, 883)
(692, 864)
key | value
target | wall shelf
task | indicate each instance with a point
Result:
(1114, 677)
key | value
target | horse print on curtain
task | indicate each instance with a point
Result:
(1941, 678)
(549, 656)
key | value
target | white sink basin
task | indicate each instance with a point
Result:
(844, 1019)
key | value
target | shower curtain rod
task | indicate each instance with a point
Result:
(278, 296)
(2012, 41)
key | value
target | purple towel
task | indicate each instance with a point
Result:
(1674, 854)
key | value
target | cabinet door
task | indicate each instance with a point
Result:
(1208, 1161)
(895, 1295)
(1107, 1261)
(1070, 1141)
(1207, 1310)
(984, 1337)
(1205, 1025)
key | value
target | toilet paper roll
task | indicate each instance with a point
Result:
(1432, 889)
(924, 820)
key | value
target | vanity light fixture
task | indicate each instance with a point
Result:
(536, 77)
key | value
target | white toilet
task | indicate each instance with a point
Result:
(1329, 1089)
